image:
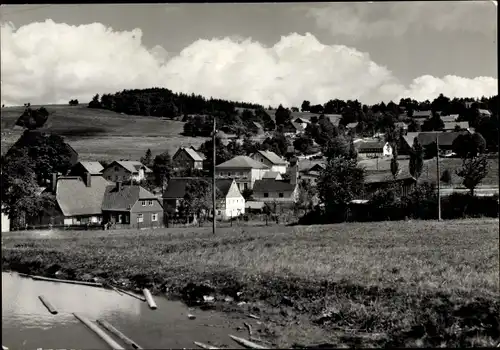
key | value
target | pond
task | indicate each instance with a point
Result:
(27, 324)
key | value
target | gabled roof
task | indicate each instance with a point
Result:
(191, 153)
(386, 176)
(445, 138)
(94, 168)
(269, 185)
(273, 157)
(176, 188)
(223, 185)
(302, 120)
(242, 162)
(271, 175)
(131, 166)
(125, 198)
(370, 144)
(75, 198)
(202, 156)
(449, 118)
(422, 114)
(257, 125)
(452, 125)
(484, 111)
(351, 125)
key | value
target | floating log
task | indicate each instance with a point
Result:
(116, 290)
(92, 284)
(249, 329)
(48, 305)
(247, 343)
(107, 326)
(113, 344)
(253, 316)
(149, 299)
(130, 294)
(204, 346)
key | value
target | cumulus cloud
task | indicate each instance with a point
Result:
(54, 62)
(391, 19)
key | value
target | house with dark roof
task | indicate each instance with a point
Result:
(256, 128)
(131, 206)
(82, 168)
(243, 169)
(230, 202)
(272, 160)
(311, 173)
(126, 171)
(187, 158)
(282, 191)
(374, 149)
(376, 180)
(449, 118)
(453, 126)
(292, 129)
(78, 199)
(423, 115)
(427, 138)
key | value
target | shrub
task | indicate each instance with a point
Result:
(460, 205)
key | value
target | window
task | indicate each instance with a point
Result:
(154, 217)
(281, 194)
(218, 212)
(143, 203)
(266, 195)
(140, 218)
(245, 185)
(150, 203)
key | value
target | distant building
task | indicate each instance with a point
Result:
(243, 169)
(449, 118)
(126, 171)
(292, 129)
(269, 190)
(5, 221)
(484, 112)
(427, 138)
(82, 168)
(311, 173)
(272, 160)
(374, 149)
(256, 128)
(452, 126)
(131, 206)
(424, 115)
(187, 158)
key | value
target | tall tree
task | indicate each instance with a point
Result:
(147, 159)
(282, 115)
(473, 171)
(416, 162)
(306, 106)
(162, 168)
(394, 162)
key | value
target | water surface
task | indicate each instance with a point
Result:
(27, 324)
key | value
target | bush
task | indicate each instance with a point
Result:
(459, 205)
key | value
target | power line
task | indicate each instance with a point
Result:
(22, 10)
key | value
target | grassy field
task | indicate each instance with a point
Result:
(102, 134)
(366, 284)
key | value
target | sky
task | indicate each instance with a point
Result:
(271, 54)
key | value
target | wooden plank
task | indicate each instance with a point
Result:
(247, 343)
(204, 346)
(141, 298)
(107, 326)
(48, 305)
(92, 284)
(113, 344)
(149, 299)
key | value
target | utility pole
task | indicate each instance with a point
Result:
(213, 174)
(438, 177)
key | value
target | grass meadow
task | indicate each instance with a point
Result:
(411, 283)
(101, 134)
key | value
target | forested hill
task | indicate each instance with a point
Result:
(161, 102)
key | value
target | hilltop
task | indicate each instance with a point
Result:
(102, 134)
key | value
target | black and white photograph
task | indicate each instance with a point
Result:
(290, 175)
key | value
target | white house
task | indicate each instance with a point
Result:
(5, 221)
(243, 169)
(126, 170)
(272, 160)
(232, 203)
(374, 149)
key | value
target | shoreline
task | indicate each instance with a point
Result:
(388, 289)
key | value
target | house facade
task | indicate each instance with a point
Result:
(277, 191)
(374, 149)
(243, 169)
(5, 221)
(131, 206)
(272, 160)
(125, 171)
(187, 158)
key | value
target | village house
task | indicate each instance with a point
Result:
(187, 158)
(310, 173)
(449, 118)
(484, 112)
(422, 115)
(256, 128)
(427, 138)
(281, 191)
(302, 121)
(5, 220)
(131, 206)
(452, 126)
(126, 171)
(374, 149)
(230, 203)
(272, 160)
(292, 129)
(82, 168)
(243, 169)
(78, 199)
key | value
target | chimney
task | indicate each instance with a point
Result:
(53, 182)
(118, 186)
(88, 179)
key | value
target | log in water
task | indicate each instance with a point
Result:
(149, 299)
(113, 344)
(204, 346)
(247, 343)
(92, 284)
(48, 305)
(107, 326)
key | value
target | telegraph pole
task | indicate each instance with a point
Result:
(213, 174)
(438, 177)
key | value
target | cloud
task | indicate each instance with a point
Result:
(52, 63)
(393, 19)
